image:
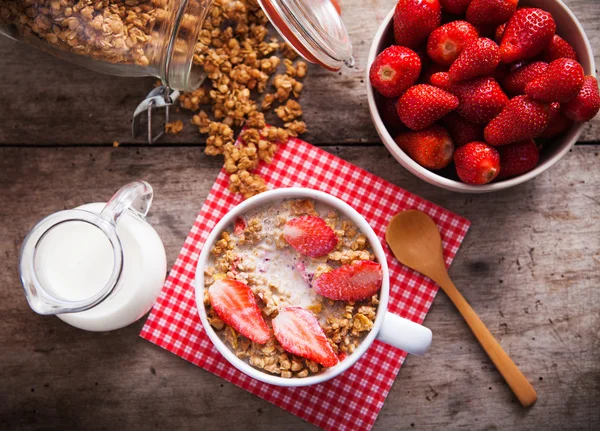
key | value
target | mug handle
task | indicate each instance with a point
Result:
(404, 334)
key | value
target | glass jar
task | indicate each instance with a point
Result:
(158, 37)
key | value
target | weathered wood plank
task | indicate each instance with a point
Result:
(529, 266)
(46, 101)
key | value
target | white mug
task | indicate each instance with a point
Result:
(388, 327)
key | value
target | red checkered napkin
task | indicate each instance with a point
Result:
(352, 400)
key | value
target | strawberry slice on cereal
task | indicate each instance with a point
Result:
(234, 303)
(299, 333)
(310, 236)
(359, 280)
(239, 226)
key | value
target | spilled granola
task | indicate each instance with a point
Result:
(242, 58)
(249, 71)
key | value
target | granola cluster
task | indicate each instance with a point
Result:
(241, 63)
(345, 323)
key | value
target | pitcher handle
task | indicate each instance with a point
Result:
(136, 196)
(404, 334)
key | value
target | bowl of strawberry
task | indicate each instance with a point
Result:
(480, 95)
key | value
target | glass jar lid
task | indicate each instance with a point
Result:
(314, 28)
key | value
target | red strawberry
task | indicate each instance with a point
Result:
(521, 118)
(461, 130)
(389, 115)
(560, 83)
(516, 81)
(558, 48)
(479, 58)
(239, 225)
(234, 303)
(310, 235)
(490, 12)
(499, 32)
(359, 280)
(586, 104)
(394, 70)
(477, 163)
(441, 80)
(422, 105)
(430, 71)
(518, 158)
(414, 20)
(480, 99)
(527, 33)
(431, 148)
(456, 7)
(557, 124)
(445, 43)
(299, 333)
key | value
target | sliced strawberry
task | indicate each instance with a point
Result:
(234, 303)
(518, 158)
(422, 105)
(560, 83)
(310, 235)
(490, 12)
(239, 226)
(414, 20)
(586, 104)
(516, 81)
(299, 333)
(477, 163)
(522, 118)
(461, 130)
(359, 280)
(431, 148)
(394, 70)
(479, 58)
(558, 123)
(456, 7)
(558, 48)
(445, 43)
(527, 33)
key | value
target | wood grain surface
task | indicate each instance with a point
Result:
(46, 101)
(529, 266)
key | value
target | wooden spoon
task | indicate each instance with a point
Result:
(415, 241)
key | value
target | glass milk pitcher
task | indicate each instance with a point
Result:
(99, 266)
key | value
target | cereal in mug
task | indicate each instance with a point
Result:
(292, 287)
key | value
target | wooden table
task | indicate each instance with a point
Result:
(530, 264)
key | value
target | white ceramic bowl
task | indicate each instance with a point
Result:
(388, 327)
(568, 27)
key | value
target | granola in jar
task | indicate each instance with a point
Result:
(292, 288)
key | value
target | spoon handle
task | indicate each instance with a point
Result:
(507, 368)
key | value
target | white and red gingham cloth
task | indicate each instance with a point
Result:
(352, 400)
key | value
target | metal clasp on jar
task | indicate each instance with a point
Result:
(160, 97)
